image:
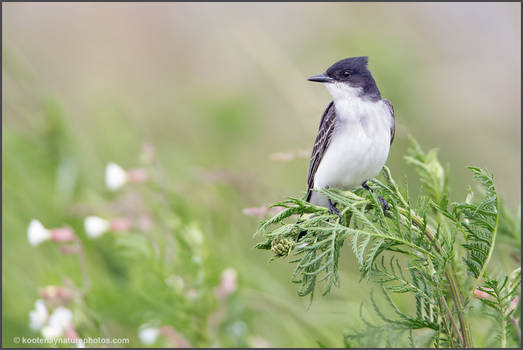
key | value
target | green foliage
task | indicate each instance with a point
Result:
(478, 222)
(408, 250)
(502, 298)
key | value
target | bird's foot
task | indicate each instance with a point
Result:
(333, 209)
(365, 186)
(384, 205)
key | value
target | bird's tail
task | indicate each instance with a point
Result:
(308, 199)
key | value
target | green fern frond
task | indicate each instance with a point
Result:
(479, 221)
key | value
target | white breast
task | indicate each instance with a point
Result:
(359, 146)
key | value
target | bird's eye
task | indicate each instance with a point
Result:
(346, 74)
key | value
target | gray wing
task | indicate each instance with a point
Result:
(328, 121)
(393, 129)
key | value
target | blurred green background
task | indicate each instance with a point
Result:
(218, 88)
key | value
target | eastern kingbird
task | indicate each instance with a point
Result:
(355, 133)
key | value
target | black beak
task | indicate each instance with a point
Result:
(321, 78)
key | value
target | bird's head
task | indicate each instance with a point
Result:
(348, 78)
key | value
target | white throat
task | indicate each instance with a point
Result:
(341, 91)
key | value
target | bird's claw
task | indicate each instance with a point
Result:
(333, 209)
(384, 205)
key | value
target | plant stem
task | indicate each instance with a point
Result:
(452, 321)
(450, 275)
(458, 303)
(504, 333)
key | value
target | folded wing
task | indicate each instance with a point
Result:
(328, 121)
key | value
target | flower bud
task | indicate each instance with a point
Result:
(37, 233)
(62, 234)
(121, 224)
(95, 226)
(55, 293)
(282, 246)
(137, 175)
(115, 176)
(481, 294)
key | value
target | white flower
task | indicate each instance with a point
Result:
(38, 316)
(115, 176)
(52, 331)
(148, 335)
(37, 233)
(95, 226)
(60, 319)
(61, 316)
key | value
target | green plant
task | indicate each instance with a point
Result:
(432, 250)
(145, 276)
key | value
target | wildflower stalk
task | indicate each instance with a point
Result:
(442, 301)
(450, 276)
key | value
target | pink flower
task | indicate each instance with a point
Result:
(137, 175)
(481, 294)
(70, 332)
(260, 212)
(228, 283)
(55, 293)
(288, 156)
(116, 176)
(37, 233)
(62, 234)
(96, 226)
(175, 338)
(120, 224)
(513, 304)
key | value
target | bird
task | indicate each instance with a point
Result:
(355, 133)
